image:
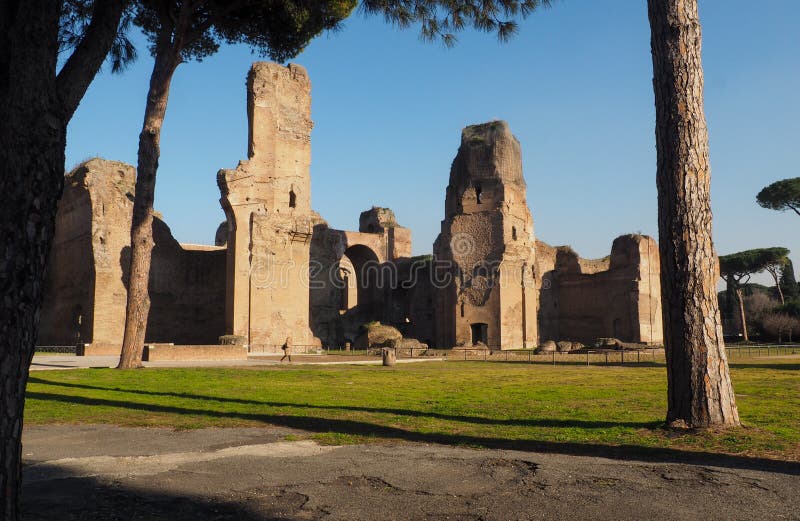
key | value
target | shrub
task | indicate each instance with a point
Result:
(780, 326)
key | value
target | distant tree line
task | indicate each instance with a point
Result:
(751, 310)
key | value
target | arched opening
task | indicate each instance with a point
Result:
(513, 233)
(348, 297)
(292, 199)
(478, 192)
(367, 288)
(462, 310)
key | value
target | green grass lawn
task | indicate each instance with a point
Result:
(570, 408)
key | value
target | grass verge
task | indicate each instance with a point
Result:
(572, 409)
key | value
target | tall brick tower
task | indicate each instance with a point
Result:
(267, 202)
(487, 241)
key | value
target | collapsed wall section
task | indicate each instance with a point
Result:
(618, 296)
(87, 275)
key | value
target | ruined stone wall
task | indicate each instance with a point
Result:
(89, 261)
(187, 291)
(285, 265)
(67, 315)
(413, 309)
(355, 276)
(267, 202)
(581, 301)
(487, 239)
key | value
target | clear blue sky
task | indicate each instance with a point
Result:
(574, 84)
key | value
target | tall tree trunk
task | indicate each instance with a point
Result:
(742, 315)
(27, 221)
(138, 307)
(35, 107)
(776, 277)
(699, 387)
(729, 312)
(32, 143)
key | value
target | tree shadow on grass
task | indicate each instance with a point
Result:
(784, 367)
(479, 420)
(360, 428)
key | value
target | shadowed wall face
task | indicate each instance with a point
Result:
(371, 259)
(87, 272)
(618, 296)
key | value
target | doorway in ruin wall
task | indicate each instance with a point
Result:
(480, 333)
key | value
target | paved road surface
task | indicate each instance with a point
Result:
(112, 473)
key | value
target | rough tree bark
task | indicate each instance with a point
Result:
(32, 167)
(138, 307)
(35, 107)
(699, 387)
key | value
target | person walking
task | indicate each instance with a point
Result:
(287, 349)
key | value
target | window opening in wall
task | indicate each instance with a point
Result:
(514, 233)
(478, 192)
(292, 199)
(480, 333)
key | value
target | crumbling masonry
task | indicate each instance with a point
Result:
(278, 270)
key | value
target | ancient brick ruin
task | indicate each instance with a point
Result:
(487, 238)
(278, 270)
(86, 283)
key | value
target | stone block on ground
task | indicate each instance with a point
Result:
(409, 347)
(377, 335)
(547, 347)
(389, 355)
(615, 343)
(564, 346)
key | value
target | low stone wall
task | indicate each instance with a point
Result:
(170, 352)
(98, 349)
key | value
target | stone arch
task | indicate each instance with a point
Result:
(369, 284)
(348, 284)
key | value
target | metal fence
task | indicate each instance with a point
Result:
(738, 351)
(581, 357)
(67, 350)
(585, 356)
(590, 356)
